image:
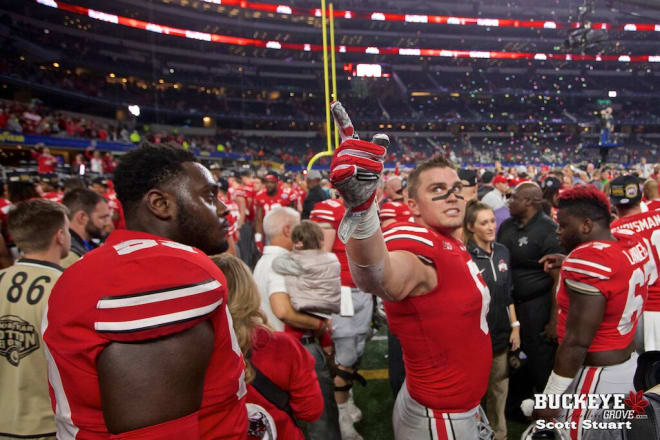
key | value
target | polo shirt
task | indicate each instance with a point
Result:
(527, 245)
(268, 282)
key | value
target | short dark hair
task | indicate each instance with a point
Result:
(586, 201)
(437, 161)
(145, 168)
(73, 183)
(81, 199)
(21, 191)
(33, 223)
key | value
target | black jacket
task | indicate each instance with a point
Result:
(314, 196)
(78, 246)
(496, 272)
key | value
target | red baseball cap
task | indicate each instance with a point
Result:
(499, 179)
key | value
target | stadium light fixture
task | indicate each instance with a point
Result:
(134, 110)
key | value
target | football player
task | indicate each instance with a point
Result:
(626, 195)
(40, 229)
(271, 197)
(600, 296)
(434, 296)
(139, 340)
(395, 209)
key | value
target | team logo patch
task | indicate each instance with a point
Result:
(447, 246)
(502, 266)
(522, 241)
(18, 338)
(631, 191)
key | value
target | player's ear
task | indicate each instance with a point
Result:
(80, 217)
(60, 237)
(414, 207)
(161, 204)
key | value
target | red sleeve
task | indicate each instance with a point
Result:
(327, 212)
(306, 399)
(387, 211)
(589, 270)
(156, 296)
(326, 339)
(413, 238)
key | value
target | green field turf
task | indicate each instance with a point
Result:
(376, 401)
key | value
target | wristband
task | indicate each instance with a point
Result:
(515, 324)
(557, 384)
(369, 223)
(258, 237)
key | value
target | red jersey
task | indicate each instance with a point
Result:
(647, 227)
(653, 204)
(232, 217)
(248, 193)
(46, 163)
(444, 334)
(331, 212)
(54, 196)
(267, 203)
(396, 211)
(283, 359)
(138, 287)
(614, 269)
(293, 197)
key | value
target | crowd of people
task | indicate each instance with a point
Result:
(179, 301)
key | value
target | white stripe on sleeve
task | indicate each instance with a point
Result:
(155, 321)
(148, 298)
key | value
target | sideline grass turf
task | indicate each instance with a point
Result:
(376, 401)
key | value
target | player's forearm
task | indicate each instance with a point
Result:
(570, 357)
(370, 264)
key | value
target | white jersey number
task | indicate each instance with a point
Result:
(634, 303)
(485, 294)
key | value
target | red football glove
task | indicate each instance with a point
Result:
(355, 171)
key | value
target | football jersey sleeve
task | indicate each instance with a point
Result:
(157, 296)
(387, 211)
(327, 213)
(412, 238)
(588, 270)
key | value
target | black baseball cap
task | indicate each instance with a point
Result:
(625, 190)
(469, 176)
(551, 182)
(487, 177)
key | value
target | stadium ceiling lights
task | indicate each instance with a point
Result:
(435, 19)
(276, 45)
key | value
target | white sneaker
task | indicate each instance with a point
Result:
(353, 410)
(346, 427)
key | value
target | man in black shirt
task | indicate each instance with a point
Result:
(315, 193)
(529, 235)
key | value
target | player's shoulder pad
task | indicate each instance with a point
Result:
(412, 237)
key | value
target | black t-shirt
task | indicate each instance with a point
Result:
(527, 245)
(314, 196)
